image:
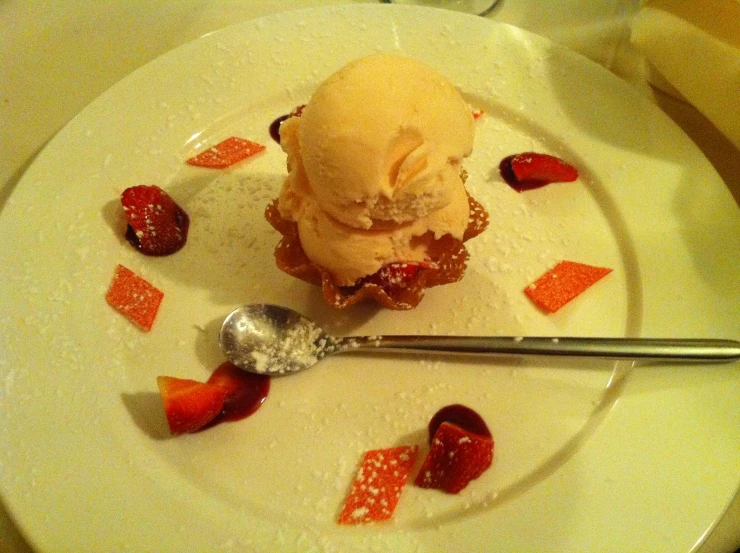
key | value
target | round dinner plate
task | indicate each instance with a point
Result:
(588, 455)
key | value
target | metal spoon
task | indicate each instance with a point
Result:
(274, 340)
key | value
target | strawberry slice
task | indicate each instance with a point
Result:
(563, 283)
(461, 449)
(226, 153)
(230, 394)
(134, 297)
(189, 405)
(378, 485)
(530, 170)
(395, 275)
(455, 457)
(156, 224)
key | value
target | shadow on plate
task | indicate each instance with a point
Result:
(147, 413)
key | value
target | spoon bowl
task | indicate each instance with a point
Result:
(269, 339)
(274, 340)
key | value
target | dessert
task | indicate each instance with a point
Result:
(562, 283)
(378, 485)
(156, 224)
(376, 183)
(134, 297)
(226, 153)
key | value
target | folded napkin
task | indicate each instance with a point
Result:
(693, 48)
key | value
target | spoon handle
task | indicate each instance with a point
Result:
(613, 348)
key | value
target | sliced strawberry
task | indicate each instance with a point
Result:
(134, 297)
(189, 405)
(156, 224)
(226, 153)
(456, 457)
(531, 166)
(562, 283)
(395, 274)
(378, 485)
(461, 449)
(244, 392)
(532, 170)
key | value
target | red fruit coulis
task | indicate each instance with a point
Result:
(245, 392)
(462, 416)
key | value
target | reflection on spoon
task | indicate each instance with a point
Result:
(274, 340)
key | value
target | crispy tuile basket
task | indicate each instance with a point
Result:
(448, 259)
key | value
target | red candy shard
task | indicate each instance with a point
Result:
(378, 485)
(456, 457)
(477, 113)
(134, 297)
(530, 170)
(226, 153)
(156, 224)
(244, 392)
(188, 404)
(562, 283)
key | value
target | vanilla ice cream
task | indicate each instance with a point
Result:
(374, 166)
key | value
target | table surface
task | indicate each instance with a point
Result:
(58, 57)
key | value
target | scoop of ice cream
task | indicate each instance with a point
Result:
(374, 166)
(349, 253)
(382, 141)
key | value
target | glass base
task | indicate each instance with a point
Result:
(476, 7)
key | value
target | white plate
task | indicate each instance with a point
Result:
(583, 456)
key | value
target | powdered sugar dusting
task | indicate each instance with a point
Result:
(301, 345)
